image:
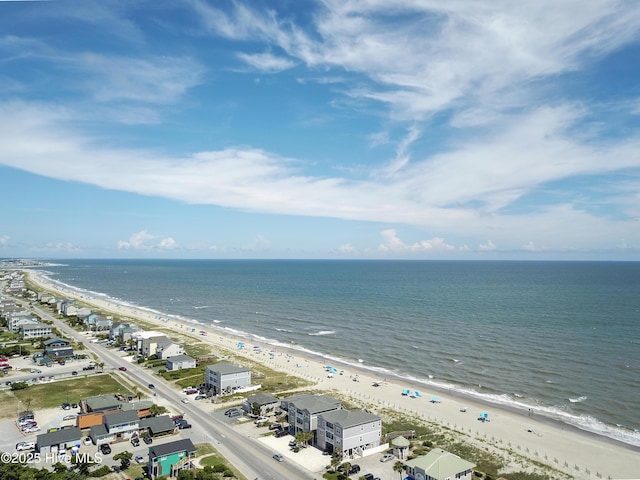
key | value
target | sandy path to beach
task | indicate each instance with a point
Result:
(579, 454)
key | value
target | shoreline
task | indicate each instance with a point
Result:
(562, 446)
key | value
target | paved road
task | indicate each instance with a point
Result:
(250, 457)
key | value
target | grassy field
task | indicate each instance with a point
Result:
(54, 394)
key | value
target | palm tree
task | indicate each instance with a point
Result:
(101, 365)
(335, 461)
(398, 467)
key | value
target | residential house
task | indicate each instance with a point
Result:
(122, 425)
(122, 332)
(157, 426)
(261, 403)
(304, 411)
(35, 330)
(439, 464)
(180, 362)
(56, 343)
(52, 442)
(349, 432)
(149, 345)
(96, 322)
(67, 307)
(100, 434)
(101, 403)
(225, 377)
(169, 458)
(168, 349)
(18, 318)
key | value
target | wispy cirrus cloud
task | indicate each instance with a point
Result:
(266, 62)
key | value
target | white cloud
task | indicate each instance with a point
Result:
(487, 247)
(4, 240)
(393, 244)
(266, 62)
(465, 191)
(143, 240)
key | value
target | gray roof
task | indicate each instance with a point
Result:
(35, 326)
(347, 418)
(180, 358)
(103, 402)
(98, 430)
(139, 405)
(118, 418)
(224, 368)
(60, 436)
(262, 398)
(172, 447)
(51, 341)
(158, 424)
(440, 464)
(315, 403)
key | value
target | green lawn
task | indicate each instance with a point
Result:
(49, 395)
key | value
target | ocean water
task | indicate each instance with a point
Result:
(560, 337)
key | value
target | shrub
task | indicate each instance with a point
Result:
(100, 472)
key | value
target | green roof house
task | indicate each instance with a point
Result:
(170, 458)
(439, 464)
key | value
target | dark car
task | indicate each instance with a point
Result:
(105, 449)
(368, 476)
(184, 425)
(151, 386)
(148, 439)
(122, 369)
(74, 373)
(135, 441)
(231, 410)
(355, 468)
(281, 433)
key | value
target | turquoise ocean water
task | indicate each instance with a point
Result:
(560, 337)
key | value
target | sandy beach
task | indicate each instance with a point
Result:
(509, 433)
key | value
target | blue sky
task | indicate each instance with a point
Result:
(320, 129)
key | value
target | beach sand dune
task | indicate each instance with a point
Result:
(514, 434)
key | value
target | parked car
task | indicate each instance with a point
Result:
(66, 406)
(139, 459)
(281, 433)
(355, 468)
(275, 426)
(278, 457)
(25, 446)
(200, 397)
(147, 439)
(235, 413)
(87, 441)
(260, 420)
(386, 457)
(183, 425)
(135, 441)
(105, 449)
(230, 411)
(69, 417)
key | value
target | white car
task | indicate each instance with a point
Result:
(25, 446)
(139, 459)
(31, 429)
(87, 441)
(185, 400)
(386, 457)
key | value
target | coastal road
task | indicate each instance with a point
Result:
(250, 457)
